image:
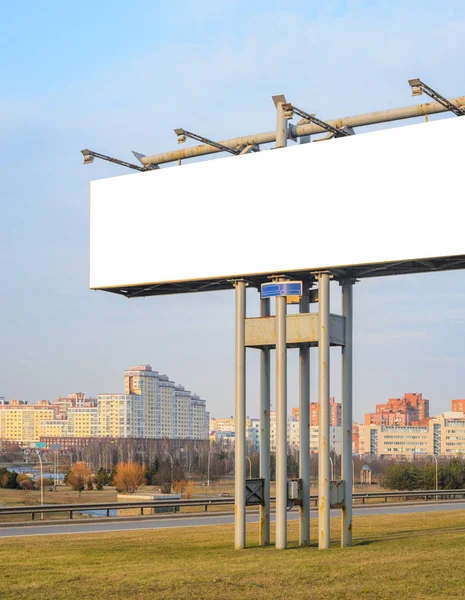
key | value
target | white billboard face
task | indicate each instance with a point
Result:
(380, 197)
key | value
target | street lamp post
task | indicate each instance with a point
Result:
(332, 468)
(208, 469)
(171, 479)
(41, 482)
(353, 475)
(250, 467)
(56, 471)
(436, 463)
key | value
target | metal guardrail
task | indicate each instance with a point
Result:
(107, 507)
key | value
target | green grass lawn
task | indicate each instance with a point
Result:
(418, 556)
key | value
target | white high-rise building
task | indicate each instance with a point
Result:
(198, 419)
(292, 431)
(120, 415)
(183, 413)
(142, 381)
(168, 410)
(293, 434)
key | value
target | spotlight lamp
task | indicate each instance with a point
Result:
(88, 157)
(416, 85)
(181, 135)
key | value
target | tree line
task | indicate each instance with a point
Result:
(411, 476)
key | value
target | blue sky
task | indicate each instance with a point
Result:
(116, 77)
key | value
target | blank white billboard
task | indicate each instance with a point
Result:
(391, 195)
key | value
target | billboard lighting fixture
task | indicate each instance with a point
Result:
(419, 88)
(183, 134)
(312, 119)
(89, 156)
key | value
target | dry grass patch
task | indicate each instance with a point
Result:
(417, 556)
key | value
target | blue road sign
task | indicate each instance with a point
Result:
(281, 288)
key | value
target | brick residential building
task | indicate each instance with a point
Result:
(335, 413)
(411, 409)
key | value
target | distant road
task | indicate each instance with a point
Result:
(174, 522)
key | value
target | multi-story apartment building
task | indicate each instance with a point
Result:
(54, 428)
(120, 415)
(335, 439)
(411, 409)
(394, 441)
(223, 430)
(293, 435)
(355, 438)
(142, 381)
(444, 435)
(152, 407)
(165, 424)
(447, 434)
(23, 423)
(458, 406)
(83, 421)
(335, 413)
(183, 426)
(168, 409)
(227, 425)
(199, 418)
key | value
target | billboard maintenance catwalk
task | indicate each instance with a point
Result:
(363, 187)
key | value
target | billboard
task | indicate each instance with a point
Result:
(378, 198)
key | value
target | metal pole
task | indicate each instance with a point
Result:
(264, 527)
(171, 470)
(208, 470)
(239, 482)
(41, 482)
(347, 467)
(436, 463)
(323, 409)
(281, 424)
(373, 118)
(250, 467)
(304, 433)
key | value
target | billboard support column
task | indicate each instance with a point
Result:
(264, 532)
(281, 121)
(281, 424)
(323, 409)
(239, 482)
(347, 353)
(304, 432)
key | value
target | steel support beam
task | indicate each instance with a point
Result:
(240, 471)
(281, 424)
(323, 410)
(264, 526)
(347, 351)
(373, 118)
(304, 433)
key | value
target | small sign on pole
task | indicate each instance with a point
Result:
(281, 288)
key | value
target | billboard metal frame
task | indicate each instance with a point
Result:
(346, 275)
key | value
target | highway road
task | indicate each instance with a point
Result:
(208, 520)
